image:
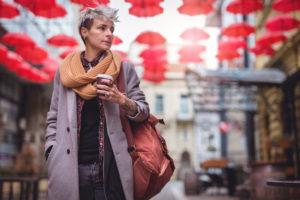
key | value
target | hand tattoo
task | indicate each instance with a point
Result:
(129, 106)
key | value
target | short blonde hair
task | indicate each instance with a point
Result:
(88, 15)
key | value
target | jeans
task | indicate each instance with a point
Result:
(89, 189)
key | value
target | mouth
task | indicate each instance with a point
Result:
(107, 42)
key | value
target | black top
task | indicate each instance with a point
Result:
(89, 145)
(89, 137)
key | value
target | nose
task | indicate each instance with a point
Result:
(109, 32)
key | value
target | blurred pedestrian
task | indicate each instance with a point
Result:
(86, 147)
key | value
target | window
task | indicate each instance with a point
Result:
(185, 134)
(184, 104)
(159, 105)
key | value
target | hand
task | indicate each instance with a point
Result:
(109, 91)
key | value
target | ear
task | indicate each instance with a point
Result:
(84, 32)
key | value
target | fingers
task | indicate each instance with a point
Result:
(106, 82)
(106, 92)
(109, 93)
(103, 93)
(103, 87)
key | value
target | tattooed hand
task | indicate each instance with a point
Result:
(109, 91)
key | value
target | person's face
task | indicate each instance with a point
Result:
(100, 35)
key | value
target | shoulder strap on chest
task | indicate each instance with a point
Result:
(120, 79)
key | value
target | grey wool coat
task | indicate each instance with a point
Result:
(61, 133)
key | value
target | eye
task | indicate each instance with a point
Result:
(102, 28)
(112, 30)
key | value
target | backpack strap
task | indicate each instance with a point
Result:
(124, 120)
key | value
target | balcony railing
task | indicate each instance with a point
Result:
(184, 117)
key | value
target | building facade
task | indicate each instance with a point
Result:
(279, 104)
(24, 104)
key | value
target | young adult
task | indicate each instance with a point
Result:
(86, 147)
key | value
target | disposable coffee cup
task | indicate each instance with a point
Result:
(103, 76)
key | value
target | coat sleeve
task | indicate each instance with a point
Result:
(52, 114)
(135, 93)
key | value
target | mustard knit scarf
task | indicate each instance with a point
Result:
(73, 75)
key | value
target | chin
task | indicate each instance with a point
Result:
(105, 48)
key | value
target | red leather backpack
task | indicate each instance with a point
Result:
(152, 165)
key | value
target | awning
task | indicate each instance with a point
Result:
(264, 76)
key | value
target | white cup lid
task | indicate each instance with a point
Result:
(105, 76)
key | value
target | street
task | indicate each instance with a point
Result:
(174, 190)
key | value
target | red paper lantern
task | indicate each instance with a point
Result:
(46, 8)
(227, 55)
(3, 52)
(34, 54)
(239, 29)
(196, 7)
(50, 67)
(36, 4)
(116, 40)
(244, 7)
(154, 63)
(150, 38)
(17, 39)
(187, 59)
(62, 40)
(282, 23)
(90, 3)
(153, 52)
(122, 54)
(144, 3)
(45, 78)
(24, 70)
(158, 62)
(155, 69)
(194, 35)
(8, 11)
(262, 50)
(146, 11)
(286, 5)
(154, 57)
(270, 38)
(145, 8)
(52, 12)
(154, 77)
(38, 76)
(67, 52)
(191, 50)
(232, 44)
(12, 61)
(191, 53)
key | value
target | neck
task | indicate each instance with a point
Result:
(90, 54)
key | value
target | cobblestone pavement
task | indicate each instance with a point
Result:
(174, 191)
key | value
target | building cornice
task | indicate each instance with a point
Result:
(286, 47)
